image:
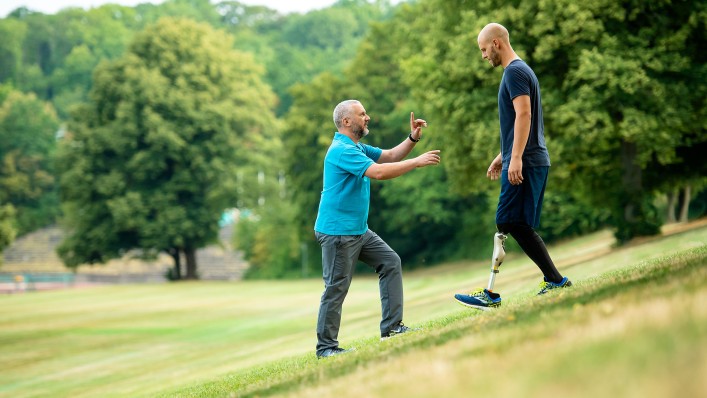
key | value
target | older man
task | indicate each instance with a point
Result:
(342, 223)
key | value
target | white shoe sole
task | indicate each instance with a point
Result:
(478, 307)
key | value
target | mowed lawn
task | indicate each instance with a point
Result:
(147, 340)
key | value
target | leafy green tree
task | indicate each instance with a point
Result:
(82, 40)
(629, 95)
(319, 41)
(13, 33)
(177, 131)
(7, 229)
(196, 10)
(36, 53)
(27, 145)
(270, 242)
(615, 79)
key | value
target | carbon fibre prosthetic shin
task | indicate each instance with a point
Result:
(499, 253)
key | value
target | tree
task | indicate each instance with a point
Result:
(7, 229)
(174, 131)
(304, 46)
(628, 94)
(27, 145)
(618, 92)
(83, 39)
(13, 33)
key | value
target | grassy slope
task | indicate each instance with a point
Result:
(610, 334)
(635, 332)
(257, 338)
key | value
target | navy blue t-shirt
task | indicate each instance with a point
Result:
(518, 79)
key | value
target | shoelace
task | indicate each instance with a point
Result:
(545, 285)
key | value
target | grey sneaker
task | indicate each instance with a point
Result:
(399, 329)
(330, 352)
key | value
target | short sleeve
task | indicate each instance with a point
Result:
(518, 82)
(372, 152)
(354, 160)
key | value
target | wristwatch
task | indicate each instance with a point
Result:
(412, 139)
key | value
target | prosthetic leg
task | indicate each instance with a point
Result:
(499, 253)
(485, 299)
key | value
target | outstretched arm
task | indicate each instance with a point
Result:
(404, 148)
(386, 171)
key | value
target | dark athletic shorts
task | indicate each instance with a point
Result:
(521, 204)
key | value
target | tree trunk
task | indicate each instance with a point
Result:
(672, 204)
(177, 273)
(191, 263)
(687, 193)
(632, 182)
(638, 217)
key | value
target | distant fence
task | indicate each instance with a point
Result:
(17, 282)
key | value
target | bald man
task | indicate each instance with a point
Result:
(522, 165)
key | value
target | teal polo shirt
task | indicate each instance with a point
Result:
(343, 207)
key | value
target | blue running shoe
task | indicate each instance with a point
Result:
(546, 286)
(481, 299)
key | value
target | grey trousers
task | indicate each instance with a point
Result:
(339, 256)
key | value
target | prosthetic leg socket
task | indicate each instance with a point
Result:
(499, 253)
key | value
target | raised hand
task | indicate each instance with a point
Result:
(416, 126)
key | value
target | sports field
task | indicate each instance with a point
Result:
(634, 324)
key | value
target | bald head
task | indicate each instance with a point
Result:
(495, 45)
(494, 31)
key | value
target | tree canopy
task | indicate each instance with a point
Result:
(27, 132)
(155, 157)
(172, 113)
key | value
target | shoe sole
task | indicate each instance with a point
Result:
(568, 284)
(337, 354)
(478, 307)
(391, 337)
(410, 330)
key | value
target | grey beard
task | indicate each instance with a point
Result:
(360, 133)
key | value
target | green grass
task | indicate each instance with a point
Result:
(634, 332)
(633, 325)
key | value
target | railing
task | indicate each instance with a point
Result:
(24, 281)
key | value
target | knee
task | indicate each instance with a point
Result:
(392, 264)
(504, 228)
(511, 228)
(517, 230)
(337, 289)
